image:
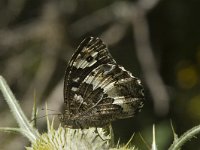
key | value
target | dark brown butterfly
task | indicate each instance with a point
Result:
(96, 89)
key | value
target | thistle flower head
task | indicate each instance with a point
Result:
(68, 139)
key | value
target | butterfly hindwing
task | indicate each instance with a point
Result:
(107, 87)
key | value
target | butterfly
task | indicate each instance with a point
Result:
(97, 90)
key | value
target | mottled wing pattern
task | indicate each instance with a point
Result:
(110, 92)
(96, 89)
(91, 53)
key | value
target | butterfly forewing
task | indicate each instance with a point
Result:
(91, 53)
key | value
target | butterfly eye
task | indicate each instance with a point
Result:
(61, 117)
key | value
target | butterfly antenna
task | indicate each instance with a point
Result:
(44, 116)
(50, 110)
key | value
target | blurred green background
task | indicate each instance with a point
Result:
(158, 41)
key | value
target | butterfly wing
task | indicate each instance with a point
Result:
(90, 54)
(96, 89)
(111, 92)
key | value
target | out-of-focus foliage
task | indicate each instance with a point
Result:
(158, 41)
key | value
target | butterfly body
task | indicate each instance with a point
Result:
(97, 90)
